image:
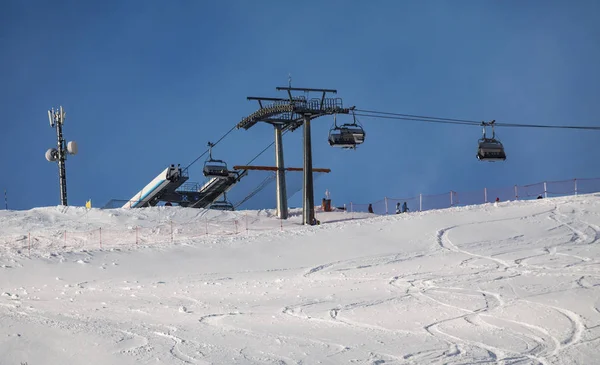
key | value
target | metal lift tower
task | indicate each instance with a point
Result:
(289, 114)
(57, 119)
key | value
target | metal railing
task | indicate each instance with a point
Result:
(424, 202)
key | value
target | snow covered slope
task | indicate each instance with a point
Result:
(517, 283)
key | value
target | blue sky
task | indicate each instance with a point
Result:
(148, 83)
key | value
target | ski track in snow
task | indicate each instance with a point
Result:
(577, 326)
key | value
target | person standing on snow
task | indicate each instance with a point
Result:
(404, 208)
(398, 211)
(370, 208)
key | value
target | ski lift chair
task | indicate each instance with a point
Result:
(341, 138)
(490, 149)
(222, 204)
(347, 135)
(214, 168)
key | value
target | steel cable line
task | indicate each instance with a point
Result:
(217, 142)
(223, 137)
(421, 118)
(418, 119)
(265, 149)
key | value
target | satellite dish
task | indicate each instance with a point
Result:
(52, 154)
(72, 148)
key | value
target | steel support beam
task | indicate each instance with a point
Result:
(308, 207)
(282, 209)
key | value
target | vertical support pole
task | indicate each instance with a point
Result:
(386, 205)
(65, 238)
(206, 226)
(100, 231)
(516, 193)
(545, 190)
(485, 195)
(282, 209)
(575, 187)
(62, 174)
(246, 216)
(352, 210)
(451, 199)
(6, 200)
(420, 202)
(308, 208)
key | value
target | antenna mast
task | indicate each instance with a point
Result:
(59, 154)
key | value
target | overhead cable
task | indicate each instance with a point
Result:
(421, 118)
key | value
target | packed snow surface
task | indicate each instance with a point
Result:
(508, 283)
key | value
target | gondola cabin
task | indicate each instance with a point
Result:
(491, 150)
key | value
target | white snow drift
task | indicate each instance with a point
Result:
(517, 283)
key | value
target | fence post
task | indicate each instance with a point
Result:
(207, 226)
(352, 210)
(575, 186)
(100, 231)
(516, 193)
(545, 190)
(451, 200)
(420, 202)
(386, 205)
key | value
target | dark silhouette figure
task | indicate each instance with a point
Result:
(497, 200)
(370, 208)
(404, 208)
